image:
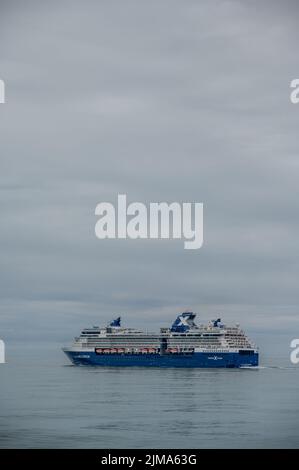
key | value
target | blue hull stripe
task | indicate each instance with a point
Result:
(198, 359)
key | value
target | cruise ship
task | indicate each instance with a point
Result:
(184, 344)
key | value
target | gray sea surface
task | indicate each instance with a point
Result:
(47, 403)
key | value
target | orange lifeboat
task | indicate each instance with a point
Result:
(173, 350)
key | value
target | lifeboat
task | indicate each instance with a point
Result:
(120, 350)
(106, 351)
(98, 350)
(144, 350)
(172, 350)
(151, 350)
(113, 350)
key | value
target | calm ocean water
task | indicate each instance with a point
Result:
(45, 402)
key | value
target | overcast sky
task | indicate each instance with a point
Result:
(164, 101)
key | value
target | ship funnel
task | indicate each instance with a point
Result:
(217, 322)
(115, 323)
(184, 322)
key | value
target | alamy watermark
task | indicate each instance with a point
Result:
(294, 96)
(2, 352)
(158, 220)
(2, 92)
(294, 356)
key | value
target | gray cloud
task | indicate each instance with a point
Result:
(163, 101)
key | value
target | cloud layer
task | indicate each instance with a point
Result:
(163, 101)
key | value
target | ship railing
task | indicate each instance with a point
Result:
(81, 344)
